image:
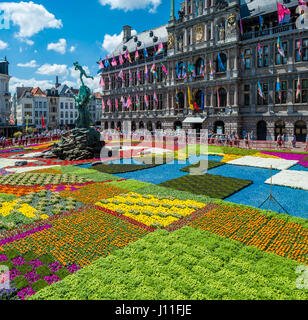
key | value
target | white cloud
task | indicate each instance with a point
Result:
(27, 41)
(72, 48)
(31, 64)
(53, 69)
(59, 46)
(132, 4)
(111, 42)
(3, 45)
(31, 18)
(16, 82)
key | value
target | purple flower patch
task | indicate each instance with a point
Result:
(35, 263)
(52, 279)
(55, 266)
(3, 257)
(25, 293)
(72, 268)
(18, 261)
(32, 276)
(14, 273)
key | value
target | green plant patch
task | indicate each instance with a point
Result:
(20, 282)
(7, 197)
(129, 185)
(43, 271)
(165, 192)
(121, 168)
(209, 165)
(210, 185)
(24, 268)
(62, 273)
(187, 264)
(39, 285)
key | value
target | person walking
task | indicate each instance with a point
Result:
(279, 141)
(306, 143)
(293, 141)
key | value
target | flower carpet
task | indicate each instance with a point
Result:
(74, 230)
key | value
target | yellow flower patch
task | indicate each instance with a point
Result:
(150, 210)
(8, 207)
(263, 155)
(27, 210)
(230, 157)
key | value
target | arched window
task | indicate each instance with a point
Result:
(181, 101)
(219, 127)
(300, 131)
(261, 130)
(198, 99)
(280, 128)
(141, 125)
(221, 98)
(221, 64)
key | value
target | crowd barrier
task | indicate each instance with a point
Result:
(28, 141)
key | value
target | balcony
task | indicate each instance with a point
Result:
(268, 31)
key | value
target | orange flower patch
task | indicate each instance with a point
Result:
(93, 193)
(19, 191)
(81, 237)
(268, 234)
(49, 171)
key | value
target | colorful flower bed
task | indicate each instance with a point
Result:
(213, 186)
(188, 264)
(251, 228)
(29, 273)
(90, 194)
(80, 237)
(120, 168)
(19, 191)
(150, 210)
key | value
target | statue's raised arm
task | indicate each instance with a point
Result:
(82, 72)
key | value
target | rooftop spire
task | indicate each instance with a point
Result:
(172, 16)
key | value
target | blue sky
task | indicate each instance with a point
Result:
(46, 36)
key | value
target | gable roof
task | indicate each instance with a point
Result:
(37, 92)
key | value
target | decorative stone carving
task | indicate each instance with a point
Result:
(199, 33)
(170, 41)
(231, 22)
(221, 31)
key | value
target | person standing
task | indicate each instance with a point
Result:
(293, 141)
(306, 143)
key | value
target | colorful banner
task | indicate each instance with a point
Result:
(260, 91)
(190, 100)
(283, 13)
(298, 90)
(279, 47)
(278, 88)
(43, 122)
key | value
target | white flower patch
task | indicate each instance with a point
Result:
(290, 178)
(28, 155)
(279, 164)
(27, 169)
(7, 162)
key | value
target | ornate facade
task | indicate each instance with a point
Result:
(207, 33)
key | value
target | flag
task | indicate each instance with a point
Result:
(278, 88)
(243, 59)
(121, 75)
(259, 49)
(202, 100)
(178, 70)
(107, 62)
(114, 62)
(117, 104)
(137, 100)
(160, 49)
(146, 100)
(127, 56)
(138, 74)
(241, 26)
(103, 105)
(123, 102)
(121, 58)
(202, 69)
(298, 91)
(109, 104)
(155, 98)
(136, 54)
(302, 9)
(196, 106)
(130, 76)
(221, 65)
(190, 100)
(101, 65)
(102, 82)
(145, 52)
(261, 21)
(218, 97)
(279, 47)
(43, 122)
(260, 91)
(184, 73)
(27, 122)
(129, 102)
(283, 13)
(212, 68)
(146, 72)
(153, 70)
(177, 101)
(164, 69)
(299, 44)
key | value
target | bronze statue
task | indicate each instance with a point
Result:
(82, 100)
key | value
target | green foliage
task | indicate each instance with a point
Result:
(43, 271)
(24, 268)
(29, 256)
(121, 168)
(186, 264)
(39, 285)
(218, 187)
(7, 197)
(46, 258)
(62, 273)
(210, 165)
(12, 254)
(130, 185)
(20, 282)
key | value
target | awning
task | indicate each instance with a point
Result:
(194, 120)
